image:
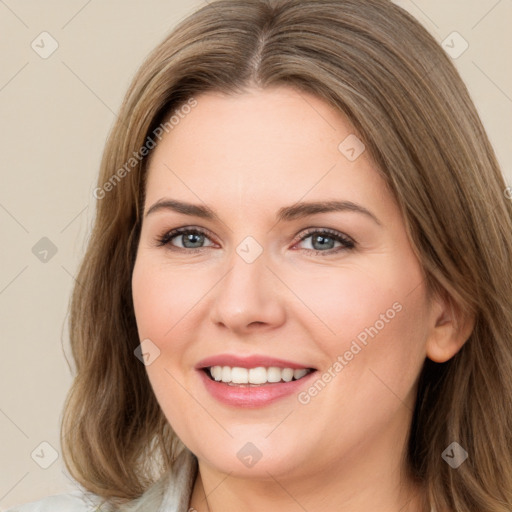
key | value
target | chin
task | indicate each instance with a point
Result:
(253, 456)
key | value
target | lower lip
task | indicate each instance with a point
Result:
(249, 396)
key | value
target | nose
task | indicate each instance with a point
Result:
(248, 299)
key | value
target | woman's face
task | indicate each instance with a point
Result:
(292, 256)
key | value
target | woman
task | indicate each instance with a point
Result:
(296, 295)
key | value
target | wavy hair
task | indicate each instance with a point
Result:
(376, 64)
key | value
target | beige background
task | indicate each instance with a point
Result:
(55, 115)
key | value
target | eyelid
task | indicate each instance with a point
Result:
(305, 233)
(163, 240)
(346, 241)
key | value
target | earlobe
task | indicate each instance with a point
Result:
(450, 329)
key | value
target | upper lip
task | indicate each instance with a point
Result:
(253, 361)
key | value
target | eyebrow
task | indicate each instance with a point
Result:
(287, 213)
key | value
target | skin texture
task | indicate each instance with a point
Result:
(247, 156)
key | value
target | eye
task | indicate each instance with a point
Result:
(185, 238)
(324, 241)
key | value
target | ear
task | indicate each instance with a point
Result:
(450, 328)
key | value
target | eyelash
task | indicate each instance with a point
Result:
(347, 243)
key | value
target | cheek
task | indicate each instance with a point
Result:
(381, 329)
(348, 302)
(163, 297)
(373, 345)
(372, 318)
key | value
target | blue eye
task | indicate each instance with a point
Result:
(323, 241)
(189, 238)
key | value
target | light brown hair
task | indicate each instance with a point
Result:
(376, 64)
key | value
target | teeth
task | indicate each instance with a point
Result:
(226, 374)
(239, 375)
(216, 372)
(259, 375)
(274, 374)
(298, 374)
(287, 374)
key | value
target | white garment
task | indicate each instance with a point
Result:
(171, 493)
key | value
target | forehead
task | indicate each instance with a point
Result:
(279, 120)
(261, 146)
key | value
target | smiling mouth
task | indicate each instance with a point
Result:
(237, 376)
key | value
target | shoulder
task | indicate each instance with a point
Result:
(72, 502)
(171, 493)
